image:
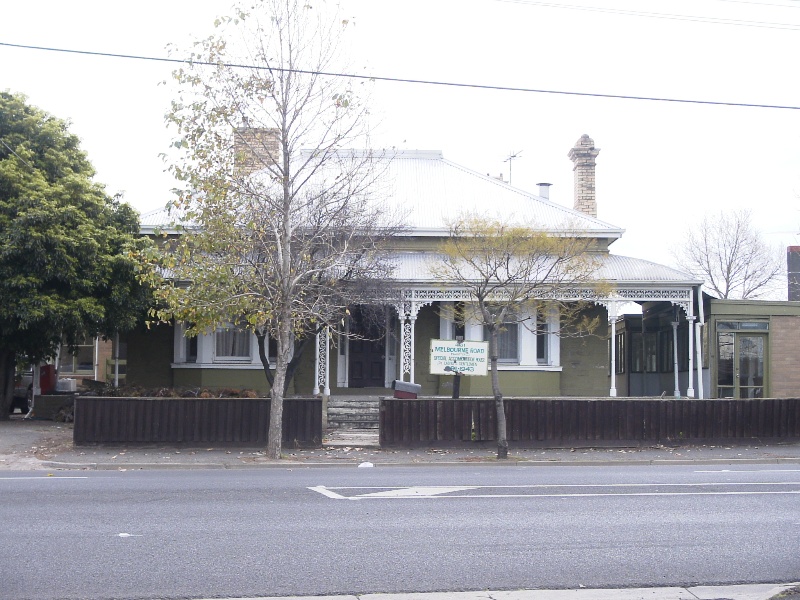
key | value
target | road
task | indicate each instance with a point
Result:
(179, 534)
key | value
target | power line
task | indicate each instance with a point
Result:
(796, 5)
(477, 86)
(667, 16)
(10, 149)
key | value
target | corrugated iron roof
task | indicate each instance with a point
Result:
(417, 268)
(431, 192)
(435, 191)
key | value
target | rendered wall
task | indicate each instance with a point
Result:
(584, 361)
(514, 383)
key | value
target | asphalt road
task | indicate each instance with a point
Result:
(189, 534)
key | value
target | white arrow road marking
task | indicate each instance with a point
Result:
(417, 492)
(127, 535)
(326, 492)
(399, 492)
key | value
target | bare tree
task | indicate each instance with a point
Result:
(730, 255)
(512, 274)
(282, 230)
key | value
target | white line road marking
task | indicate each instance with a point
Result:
(43, 477)
(751, 471)
(420, 492)
(564, 485)
(586, 495)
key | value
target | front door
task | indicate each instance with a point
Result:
(740, 367)
(367, 358)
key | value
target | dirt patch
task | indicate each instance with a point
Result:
(25, 443)
(51, 445)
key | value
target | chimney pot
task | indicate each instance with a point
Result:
(544, 190)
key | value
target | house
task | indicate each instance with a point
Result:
(431, 191)
(748, 350)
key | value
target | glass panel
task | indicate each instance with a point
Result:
(637, 352)
(85, 358)
(725, 360)
(81, 361)
(666, 355)
(754, 392)
(620, 353)
(191, 349)
(66, 361)
(232, 343)
(759, 325)
(541, 340)
(507, 342)
(724, 392)
(683, 349)
(650, 352)
(726, 325)
(751, 363)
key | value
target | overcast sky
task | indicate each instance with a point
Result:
(662, 165)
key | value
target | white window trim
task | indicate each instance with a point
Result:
(206, 353)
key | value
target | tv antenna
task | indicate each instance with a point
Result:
(512, 156)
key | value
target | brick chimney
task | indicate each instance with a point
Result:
(793, 269)
(583, 155)
(254, 148)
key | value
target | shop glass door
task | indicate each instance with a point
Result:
(740, 364)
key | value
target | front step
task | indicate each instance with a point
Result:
(352, 438)
(353, 412)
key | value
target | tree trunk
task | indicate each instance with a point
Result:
(285, 341)
(291, 367)
(8, 363)
(499, 405)
(275, 432)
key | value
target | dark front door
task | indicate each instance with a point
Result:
(367, 352)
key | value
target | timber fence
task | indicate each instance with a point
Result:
(567, 422)
(194, 421)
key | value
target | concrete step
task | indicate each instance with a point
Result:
(345, 400)
(352, 413)
(356, 410)
(353, 418)
(348, 412)
(353, 425)
(374, 405)
(353, 438)
(353, 407)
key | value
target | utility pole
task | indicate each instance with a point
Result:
(512, 156)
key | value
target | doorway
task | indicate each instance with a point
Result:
(367, 348)
(740, 364)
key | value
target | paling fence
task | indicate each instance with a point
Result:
(194, 421)
(586, 421)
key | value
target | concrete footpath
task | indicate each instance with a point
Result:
(46, 445)
(40, 444)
